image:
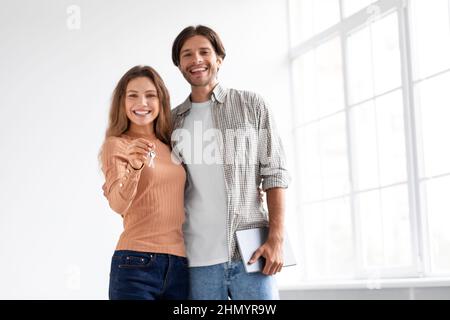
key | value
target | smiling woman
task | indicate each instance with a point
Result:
(144, 83)
(150, 261)
(142, 104)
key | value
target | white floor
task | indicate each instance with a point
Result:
(437, 293)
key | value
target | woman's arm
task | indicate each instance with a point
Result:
(121, 179)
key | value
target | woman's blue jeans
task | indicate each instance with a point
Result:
(148, 276)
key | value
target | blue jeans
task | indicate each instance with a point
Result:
(148, 276)
(229, 279)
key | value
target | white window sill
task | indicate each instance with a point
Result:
(370, 284)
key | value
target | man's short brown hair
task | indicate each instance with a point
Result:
(198, 30)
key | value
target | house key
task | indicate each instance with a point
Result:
(152, 155)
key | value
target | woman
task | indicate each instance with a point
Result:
(146, 188)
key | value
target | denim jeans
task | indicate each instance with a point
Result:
(230, 280)
(148, 276)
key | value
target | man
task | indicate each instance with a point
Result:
(228, 142)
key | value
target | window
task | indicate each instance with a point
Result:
(372, 115)
(430, 24)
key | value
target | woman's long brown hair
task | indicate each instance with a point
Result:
(118, 121)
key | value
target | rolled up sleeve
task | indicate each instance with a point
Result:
(271, 155)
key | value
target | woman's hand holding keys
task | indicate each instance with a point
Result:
(138, 152)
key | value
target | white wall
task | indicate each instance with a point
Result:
(57, 233)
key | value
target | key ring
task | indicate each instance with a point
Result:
(152, 155)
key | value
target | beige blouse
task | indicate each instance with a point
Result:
(150, 200)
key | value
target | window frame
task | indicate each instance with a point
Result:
(421, 263)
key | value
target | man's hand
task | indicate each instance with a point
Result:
(272, 251)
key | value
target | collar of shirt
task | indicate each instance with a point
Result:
(219, 93)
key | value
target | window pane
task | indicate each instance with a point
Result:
(374, 59)
(309, 17)
(359, 65)
(396, 223)
(385, 227)
(386, 54)
(329, 79)
(433, 98)
(364, 146)
(431, 36)
(378, 140)
(333, 151)
(318, 82)
(322, 150)
(353, 6)
(328, 239)
(438, 208)
(308, 145)
(368, 208)
(391, 138)
(304, 88)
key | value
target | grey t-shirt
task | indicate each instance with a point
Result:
(205, 197)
